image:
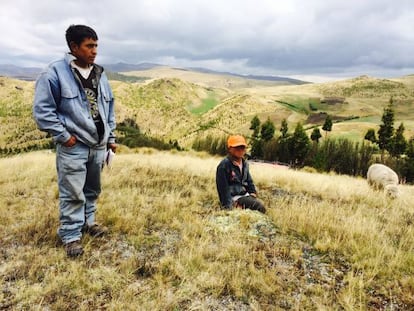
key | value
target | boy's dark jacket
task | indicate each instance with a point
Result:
(231, 182)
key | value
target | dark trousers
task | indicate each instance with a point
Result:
(252, 203)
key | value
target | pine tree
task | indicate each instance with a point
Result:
(270, 150)
(267, 131)
(370, 135)
(410, 148)
(316, 135)
(398, 143)
(327, 126)
(409, 161)
(255, 126)
(284, 128)
(257, 148)
(386, 130)
(256, 142)
(283, 153)
(299, 145)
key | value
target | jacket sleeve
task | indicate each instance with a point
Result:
(47, 95)
(251, 188)
(223, 188)
(111, 123)
(111, 115)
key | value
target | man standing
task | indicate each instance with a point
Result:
(74, 103)
(233, 180)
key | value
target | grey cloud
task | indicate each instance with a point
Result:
(297, 37)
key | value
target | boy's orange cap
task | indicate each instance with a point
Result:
(236, 140)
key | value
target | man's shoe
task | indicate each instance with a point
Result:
(74, 249)
(95, 230)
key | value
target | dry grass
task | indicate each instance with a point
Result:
(328, 242)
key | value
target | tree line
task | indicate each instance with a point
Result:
(295, 148)
(131, 136)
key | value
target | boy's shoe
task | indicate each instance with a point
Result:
(74, 249)
(95, 230)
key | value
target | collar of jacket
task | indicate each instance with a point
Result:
(98, 69)
(231, 160)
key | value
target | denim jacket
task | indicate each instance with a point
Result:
(61, 107)
(231, 182)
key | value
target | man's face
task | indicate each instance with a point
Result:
(85, 52)
(238, 152)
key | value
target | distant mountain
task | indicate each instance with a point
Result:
(30, 73)
(251, 77)
(21, 73)
(124, 67)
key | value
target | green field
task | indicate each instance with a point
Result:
(296, 104)
(206, 104)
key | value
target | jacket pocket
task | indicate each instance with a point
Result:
(72, 102)
(107, 99)
(107, 96)
(73, 111)
(69, 93)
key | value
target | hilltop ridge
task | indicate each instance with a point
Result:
(173, 107)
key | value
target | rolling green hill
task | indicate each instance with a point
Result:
(172, 108)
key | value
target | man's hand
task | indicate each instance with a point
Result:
(112, 147)
(71, 142)
(253, 195)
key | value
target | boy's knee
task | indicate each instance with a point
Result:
(252, 203)
(260, 207)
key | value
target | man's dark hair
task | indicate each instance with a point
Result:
(78, 33)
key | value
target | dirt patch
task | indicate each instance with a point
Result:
(319, 118)
(316, 117)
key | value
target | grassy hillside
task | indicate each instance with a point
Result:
(172, 107)
(17, 129)
(327, 242)
(363, 101)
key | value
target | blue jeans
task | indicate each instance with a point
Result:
(79, 179)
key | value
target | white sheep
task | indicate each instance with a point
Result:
(380, 176)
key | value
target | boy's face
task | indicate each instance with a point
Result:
(238, 152)
(85, 52)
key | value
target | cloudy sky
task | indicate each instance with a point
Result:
(295, 38)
